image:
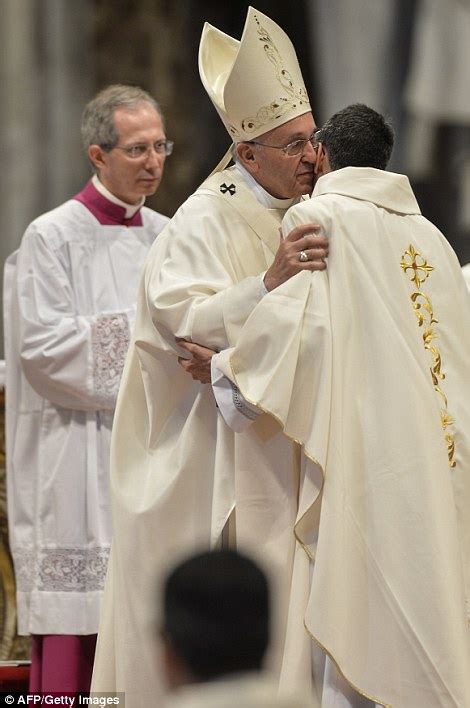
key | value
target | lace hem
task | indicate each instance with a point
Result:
(61, 569)
(110, 338)
(24, 568)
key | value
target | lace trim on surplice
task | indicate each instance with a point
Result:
(61, 569)
(110, 338)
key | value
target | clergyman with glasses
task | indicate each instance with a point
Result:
(70, 300)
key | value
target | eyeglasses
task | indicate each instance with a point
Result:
(136, 152)
(294, 148)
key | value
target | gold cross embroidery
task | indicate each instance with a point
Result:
(416, 266)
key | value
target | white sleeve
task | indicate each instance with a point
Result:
(235, 410)
(73, 360)
(264, 290)
(466, 274)
(191, 279)
(234, 304)
(237, 413)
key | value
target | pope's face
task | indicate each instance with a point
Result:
(286, 176)
(130, 178)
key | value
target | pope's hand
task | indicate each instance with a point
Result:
(199, 365)
(300, 250)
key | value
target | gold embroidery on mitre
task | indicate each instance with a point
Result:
(420, 269)
(296, 96)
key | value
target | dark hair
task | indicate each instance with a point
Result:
(216, 614)
(357, 136)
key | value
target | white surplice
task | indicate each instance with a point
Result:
(70, 295)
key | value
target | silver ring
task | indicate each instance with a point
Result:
(303, 257)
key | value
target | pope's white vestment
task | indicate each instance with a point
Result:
(466, 274)
(70, 295)
(367, 366)
(177, 470)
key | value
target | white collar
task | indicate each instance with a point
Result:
(262, 196)
(385, 189)
(131, 209)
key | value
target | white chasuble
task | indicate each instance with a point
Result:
(177, 471)
(367, 365)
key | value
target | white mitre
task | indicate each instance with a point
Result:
(255, 83)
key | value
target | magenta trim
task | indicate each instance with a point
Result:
(107, 213)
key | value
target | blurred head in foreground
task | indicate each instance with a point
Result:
(215, 618)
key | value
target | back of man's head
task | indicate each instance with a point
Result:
(357, 136)
(216, 615)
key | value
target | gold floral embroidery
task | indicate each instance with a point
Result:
(420, 269)
(420, 301)
(296, 96)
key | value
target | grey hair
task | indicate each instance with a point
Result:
(97, 125)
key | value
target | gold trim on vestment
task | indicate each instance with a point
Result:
(296, 96)
(355, 688)
(422, 307)
(304, 545)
